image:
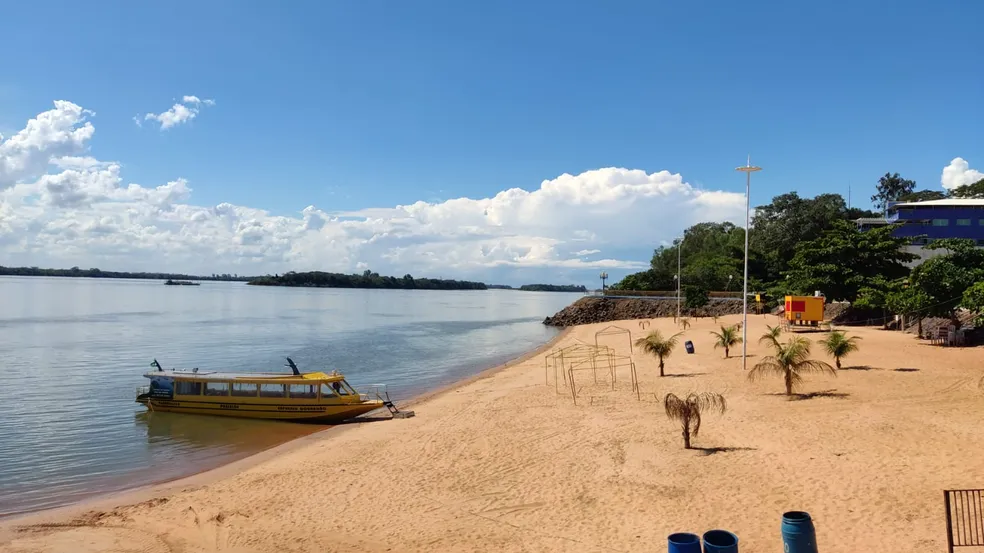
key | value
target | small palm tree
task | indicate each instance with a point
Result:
(655, 344)
(685, 323)
(839, 345)
(771, 336)
(727, 338)
(791, 361)
(689, 409)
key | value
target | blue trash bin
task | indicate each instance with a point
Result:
(683, 542)
(798, 534)
(689, 345)
(720, 541)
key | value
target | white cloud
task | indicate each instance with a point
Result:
(181, 112)
(958, 173)
(83, 213)
(59, 132)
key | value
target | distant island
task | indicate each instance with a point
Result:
(499, 287)
(553, 288)
(96, 273)
(368, 279)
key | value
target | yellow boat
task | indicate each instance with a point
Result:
(304, 397)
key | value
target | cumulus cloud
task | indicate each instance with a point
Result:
(59, 132)
(958, 173)
(61, 208)
(181, 112)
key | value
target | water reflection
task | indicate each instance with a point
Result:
(198, 437)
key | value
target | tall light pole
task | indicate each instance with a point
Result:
(748, 169)
(603, 276)
(679, 276)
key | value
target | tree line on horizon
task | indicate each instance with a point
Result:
(799, 245)
(97, 273)
(316, 279)
(367, 279)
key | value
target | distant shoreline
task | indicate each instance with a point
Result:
(355, 281)
(75, 272)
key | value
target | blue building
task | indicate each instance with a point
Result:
(924, 222)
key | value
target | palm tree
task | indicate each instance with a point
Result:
(791, 361)
(771, 337)
(727, 338)
(655, 344)
(839, 345)
(685, 323)
(689, 409)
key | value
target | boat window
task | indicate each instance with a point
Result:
(216, 388)
(327, 392)
(273, 390)
(244, 389)
(186, 388)
(347, 387)
(303, 391)
(339, 389)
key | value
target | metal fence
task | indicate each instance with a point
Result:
(964, 518)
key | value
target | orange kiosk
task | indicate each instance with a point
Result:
(804, 310)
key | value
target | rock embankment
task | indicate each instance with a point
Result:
(600, 310)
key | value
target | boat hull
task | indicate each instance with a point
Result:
(283, 412)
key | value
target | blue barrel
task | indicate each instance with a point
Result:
(798, 535)
(689, 345)
(683, 543)
(720, 541)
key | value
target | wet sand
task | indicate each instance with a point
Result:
(504, 462)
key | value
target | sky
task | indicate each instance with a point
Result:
(509, 142)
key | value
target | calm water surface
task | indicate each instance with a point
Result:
(73, 350)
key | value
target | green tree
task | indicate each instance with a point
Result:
(844, 260)
(975, 190)
(791, 362)
(922, 196)
(973, 300)
(645, 280)
(787, 221)
(696, 297)
(654, 344)
(945, 278)
(727, 338)
(688, 411)
(890, 188)
(839, 345)
(909, 300)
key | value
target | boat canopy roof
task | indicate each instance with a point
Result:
(279, 378)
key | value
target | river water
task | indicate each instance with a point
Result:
(73, 351)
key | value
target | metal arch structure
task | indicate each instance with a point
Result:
(612, 330)
(614, 363)
(581, 354)
(566, 362)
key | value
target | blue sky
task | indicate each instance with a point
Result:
(354, 105)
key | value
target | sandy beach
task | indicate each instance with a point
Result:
(505, 463)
